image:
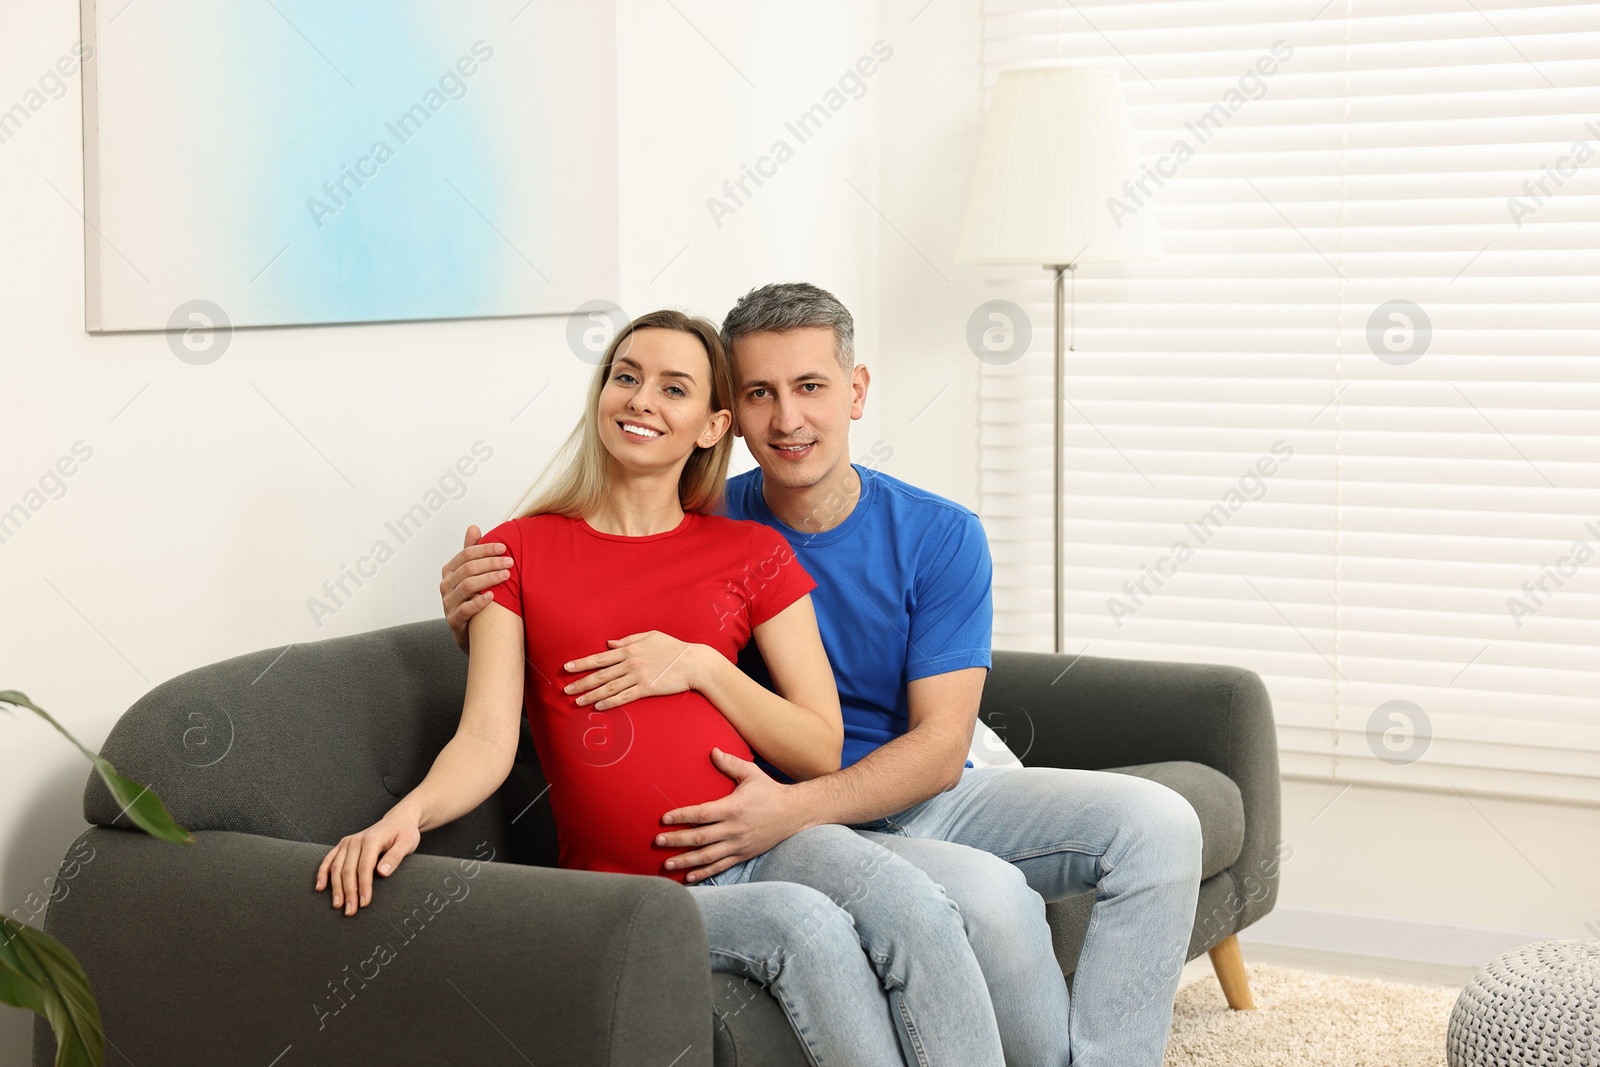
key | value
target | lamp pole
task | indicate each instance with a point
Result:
(1059, 498)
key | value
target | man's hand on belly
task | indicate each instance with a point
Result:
(757, 815)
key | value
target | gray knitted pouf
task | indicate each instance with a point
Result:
(1538, 1004)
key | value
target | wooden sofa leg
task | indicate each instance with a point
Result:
(1228, 962)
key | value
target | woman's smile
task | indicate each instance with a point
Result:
(638, 431)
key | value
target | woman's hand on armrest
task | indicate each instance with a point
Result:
(465, 773)
(347, 868)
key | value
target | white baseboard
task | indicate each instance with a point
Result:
(1384, 936)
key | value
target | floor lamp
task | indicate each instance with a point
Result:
(1056, 183)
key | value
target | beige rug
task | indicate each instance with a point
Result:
(1304, 1019)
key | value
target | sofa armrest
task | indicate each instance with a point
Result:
(222, 952)
(1095, 713)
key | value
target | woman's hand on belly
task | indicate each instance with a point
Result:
(639, 665)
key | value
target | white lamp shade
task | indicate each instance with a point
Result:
(1057, 148)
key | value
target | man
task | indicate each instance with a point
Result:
(903, 603)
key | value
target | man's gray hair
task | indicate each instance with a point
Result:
(792, 306)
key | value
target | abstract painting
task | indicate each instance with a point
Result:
(294, 161)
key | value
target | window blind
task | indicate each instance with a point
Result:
(1346, 433)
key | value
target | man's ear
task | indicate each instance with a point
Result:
(860, 378)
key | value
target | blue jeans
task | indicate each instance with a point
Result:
(866, 955)
(1006, 840)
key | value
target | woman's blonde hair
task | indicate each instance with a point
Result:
(574, 481)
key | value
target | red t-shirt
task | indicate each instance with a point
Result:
(614, 773)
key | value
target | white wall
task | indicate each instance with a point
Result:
(219, 500)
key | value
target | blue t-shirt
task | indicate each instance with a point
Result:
(903, 592)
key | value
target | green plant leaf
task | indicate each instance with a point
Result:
(38, 973)
(141, 803)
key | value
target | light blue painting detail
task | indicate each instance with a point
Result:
(379, 172)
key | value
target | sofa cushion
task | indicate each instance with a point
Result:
(748, 1026)
(1216, 800)
(1214, 797)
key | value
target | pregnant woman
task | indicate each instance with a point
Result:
(622, 550)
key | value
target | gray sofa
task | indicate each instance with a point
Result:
(477, 950)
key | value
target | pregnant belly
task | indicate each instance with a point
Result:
(614, 773)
